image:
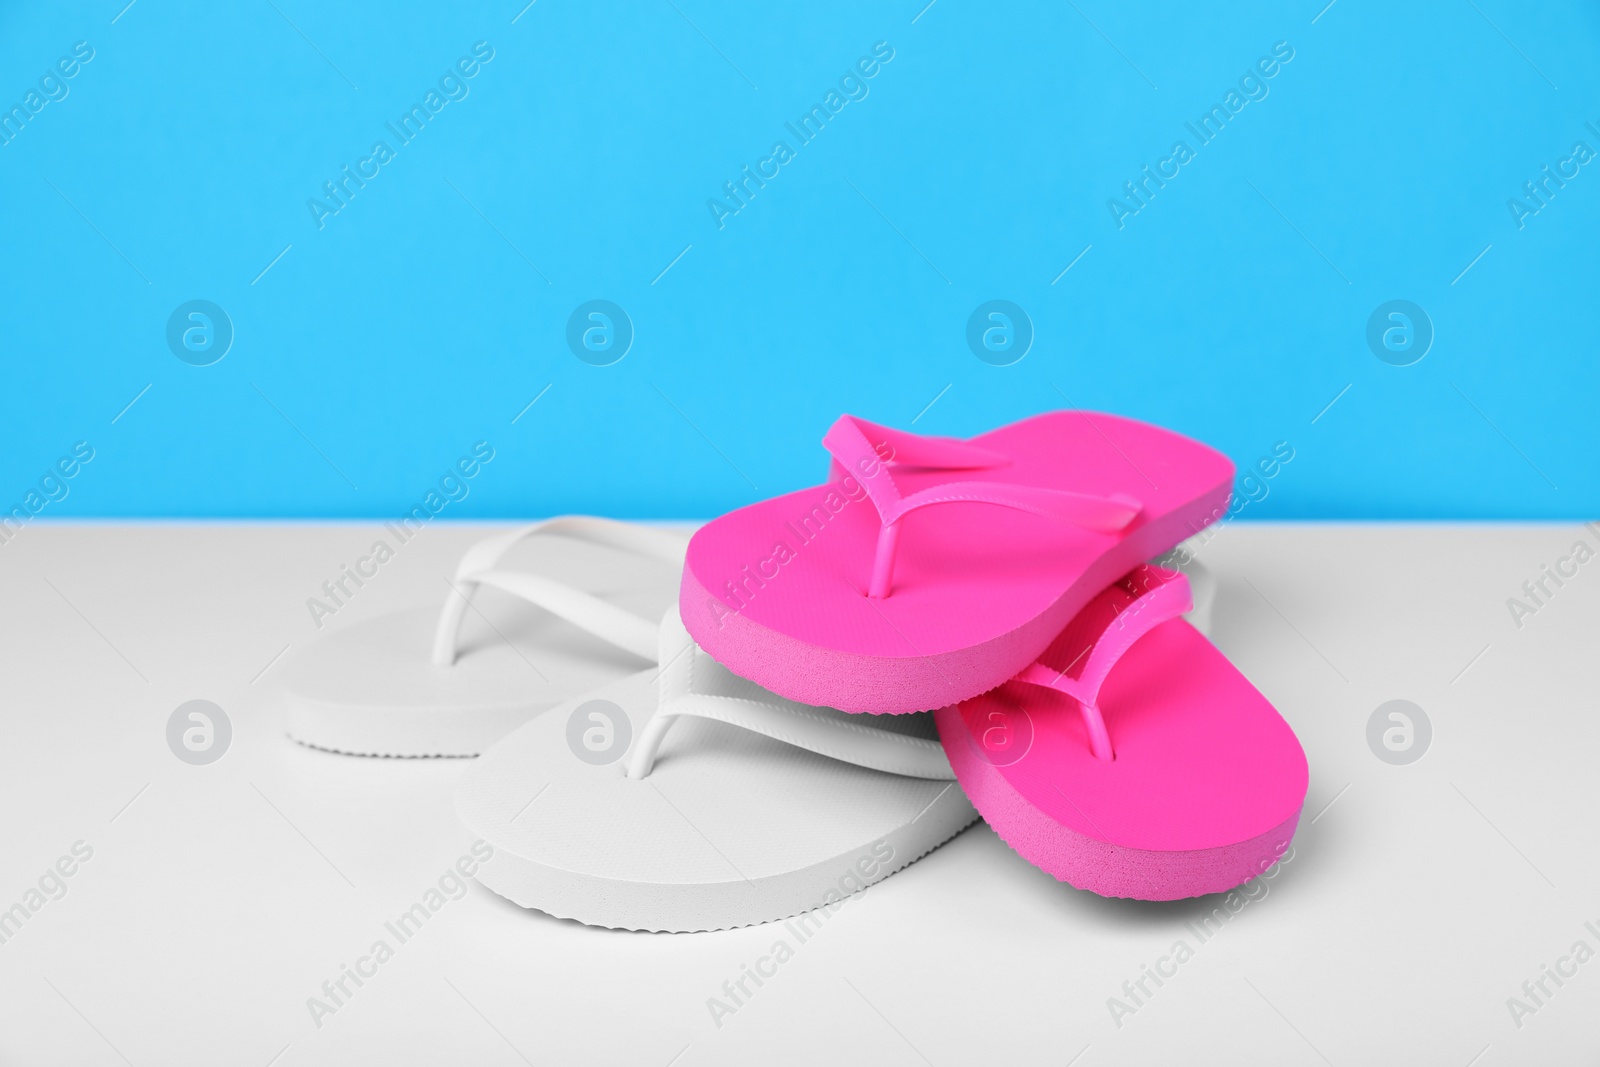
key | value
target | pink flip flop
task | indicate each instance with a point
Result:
(1132, 759)
(863, 595)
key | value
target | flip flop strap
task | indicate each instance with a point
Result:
(584, 610)
(826, 731)
(850, 441)
(1159, 596)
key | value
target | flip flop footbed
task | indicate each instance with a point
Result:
(1205, 790)
(372, 687)
(730, 828)
(777, 591)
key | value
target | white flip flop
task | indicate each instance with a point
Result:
(449, 683)
(685, 798)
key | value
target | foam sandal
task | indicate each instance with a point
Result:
(929, 570)
(426, 682)
(1132, 759)
(686, 798)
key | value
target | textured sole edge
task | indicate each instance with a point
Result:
(410, 732)
(692, 908)
(374, 754)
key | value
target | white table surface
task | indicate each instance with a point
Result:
(219, 898)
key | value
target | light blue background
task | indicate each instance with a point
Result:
(978, 167)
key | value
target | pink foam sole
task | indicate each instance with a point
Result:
(1100, 867)
(1205, 788)
(776, 591)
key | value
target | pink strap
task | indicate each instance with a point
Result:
(847, 439)
(1159, 595)
(850, 442)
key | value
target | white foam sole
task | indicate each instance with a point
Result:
(374, 688)
(730, 828)
(371, 689)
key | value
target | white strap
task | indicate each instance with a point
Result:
(642, 540)
(602, 618)
(826, 731)
(584, 610)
